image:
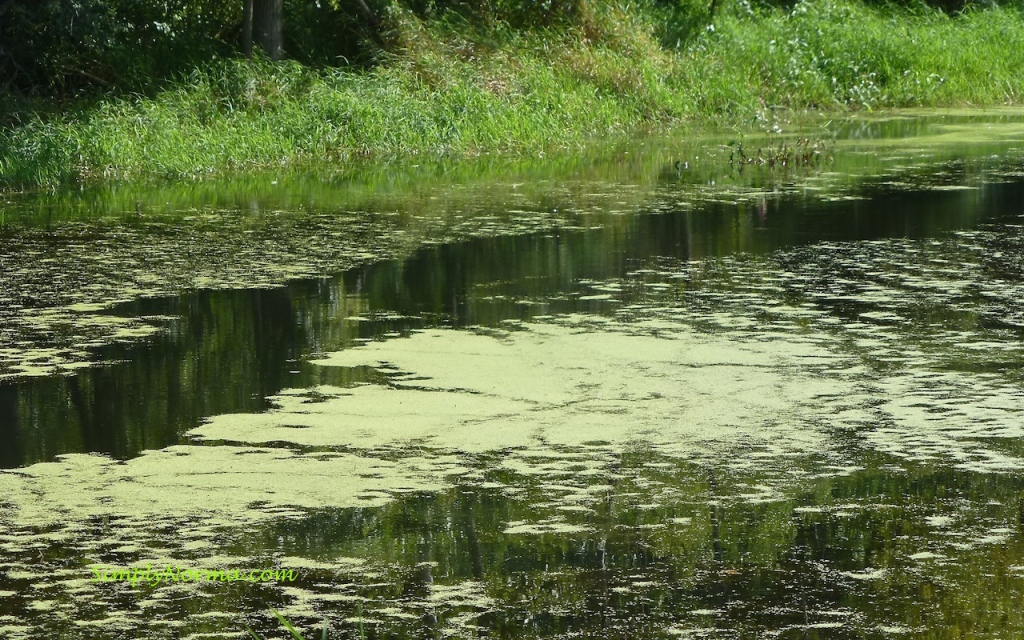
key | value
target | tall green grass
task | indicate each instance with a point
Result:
(841, 55)
(451, 88)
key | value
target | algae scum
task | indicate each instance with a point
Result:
(642, 393)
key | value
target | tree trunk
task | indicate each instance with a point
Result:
(247, 28)
(267, 27)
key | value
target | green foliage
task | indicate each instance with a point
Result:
(61, 47)
(518, 14)
(810, 58)
(679, 22)
(65, 48)
(320, 34)
(455, 85)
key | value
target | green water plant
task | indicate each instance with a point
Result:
(777, 152)
(290, 627)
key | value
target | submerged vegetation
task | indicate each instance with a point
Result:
(466, 79)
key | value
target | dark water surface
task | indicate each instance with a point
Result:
(641, 392)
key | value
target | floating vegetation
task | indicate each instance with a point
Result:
(769, 412)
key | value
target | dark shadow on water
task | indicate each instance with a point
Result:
(228, 350)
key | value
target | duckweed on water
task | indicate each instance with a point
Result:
(562, 409)
(125, 244)
(615, 426)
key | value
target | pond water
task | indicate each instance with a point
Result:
(641, 391)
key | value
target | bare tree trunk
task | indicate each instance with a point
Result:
(267, 27)
(247, 28)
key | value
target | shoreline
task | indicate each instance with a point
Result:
(450, 96)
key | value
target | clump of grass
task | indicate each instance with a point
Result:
(777, 152)
(451, 87)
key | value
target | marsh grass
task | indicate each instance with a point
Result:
(455, 88)
(776, 151)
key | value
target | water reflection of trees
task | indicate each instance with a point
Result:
(231, 349)
(752, 566)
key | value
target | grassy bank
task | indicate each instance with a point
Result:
(455, 87)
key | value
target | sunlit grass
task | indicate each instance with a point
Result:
(451, 90)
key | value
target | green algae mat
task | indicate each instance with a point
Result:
(643, 391)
